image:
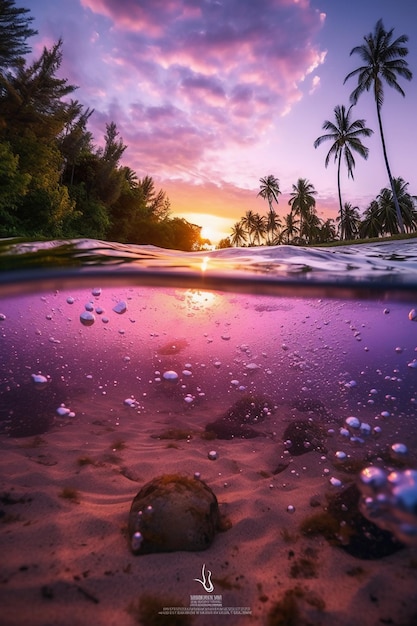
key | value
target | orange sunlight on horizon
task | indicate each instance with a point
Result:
(214, 208)
(217, 208)
(214, 228)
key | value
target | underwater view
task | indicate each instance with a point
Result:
(225, 436)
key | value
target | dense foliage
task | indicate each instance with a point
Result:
(54, 182)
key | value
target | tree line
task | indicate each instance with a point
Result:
(393, 211)
(54, 181)
(302, 226)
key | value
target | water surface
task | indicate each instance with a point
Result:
(117, 361)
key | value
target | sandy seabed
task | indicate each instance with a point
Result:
(66, 560)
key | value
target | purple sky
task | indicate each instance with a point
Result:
(212, 95)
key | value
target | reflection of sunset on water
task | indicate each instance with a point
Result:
(204, 263)
(196, 299)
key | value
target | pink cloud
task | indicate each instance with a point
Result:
(189, 81)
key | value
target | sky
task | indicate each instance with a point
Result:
(211, 95)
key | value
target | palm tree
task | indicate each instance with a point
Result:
(327, 231)
(272, 226)
(302, 200)
(350, 222)
(238, 236)
(291, 228)
(311, 228)
(269, 189)
(259, 228)
(371, 225)
(383, 61)
(407, 204)
(387, 211)
(346, 136)
(248, 222)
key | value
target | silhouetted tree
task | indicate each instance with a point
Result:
(14, 31)
(383, 62)
(238, 236)
(302, 201)
(346, 136)
(350, 222)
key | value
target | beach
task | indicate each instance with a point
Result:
(66, 560)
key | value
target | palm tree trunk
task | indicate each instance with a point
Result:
(340, 196)
(394, 195)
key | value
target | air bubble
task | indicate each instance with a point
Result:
(120, 307)
(136, 541)
(371, 479)
(63, 411)
(87, 318)
(170, 376)
(390, 501)
(40, 381)
(399, 450)
(352, 422)
(412, 316)
(335, 482)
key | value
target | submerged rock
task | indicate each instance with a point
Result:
(250, 409)
(303, 436)
(343, 525)
(311, 405)
(223, 428)
(173, 512)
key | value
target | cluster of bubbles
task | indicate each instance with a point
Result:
(357, 431)
(137, 537)
(64, 411)
(88, 316)
(389, 500)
